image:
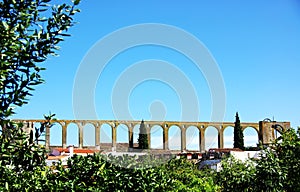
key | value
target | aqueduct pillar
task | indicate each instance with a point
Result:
(202, 140)
(165, 138)
(183, 138)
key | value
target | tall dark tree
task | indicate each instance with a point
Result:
(238, 133)
(143, 137)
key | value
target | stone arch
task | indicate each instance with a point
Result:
(250, 126)
(276, 134)
(105, 133)
(211, 137)
(37, 124)
(136, 131)
(73, 134)
(89, 138)
(174, 134)
(122, 136)
(56, 135)
(211, 126)
(156, 132)
(254, 128)
(174, 124)
(228, 133)
(192, 138)
(251, 136)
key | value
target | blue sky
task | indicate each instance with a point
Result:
(255, 44)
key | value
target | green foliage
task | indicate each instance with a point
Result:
(30, 32)
(270, 175)
(21, 152)
(143, 137)
(276, 171)
(23, 181)
(126, 173)
(188, 178)
(22, 159)
(279, 167)
(109, 173)
(236, 175)
(287, 150)
(238, 133)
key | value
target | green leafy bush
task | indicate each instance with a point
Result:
(100, 173)
(29, 34)
(110, 173)
(187, 177)
(279, 167)
(276, 171)
(236, 175)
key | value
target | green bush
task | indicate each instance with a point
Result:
(279, 167)
(277, 170)
(187, 177)
(110, 173)
(236, 175)
(103, 173)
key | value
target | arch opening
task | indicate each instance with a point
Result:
(211, 137)
(106, 134)
(42, 135)
(250, 137)
(136, 130)
(156, 133)
(89, 132)
(174, 138)
(122, 137)
(276, 134)
(192, 138)
(73, 134)
(56, 135)
(228, 137)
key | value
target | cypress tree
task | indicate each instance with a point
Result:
(238, 133)
(143, 137)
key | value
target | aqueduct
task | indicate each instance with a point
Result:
(263, 128)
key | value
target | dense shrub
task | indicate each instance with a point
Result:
(109, 173)
(125, 173)
(278, 168)
(188, 178)
(236, 175)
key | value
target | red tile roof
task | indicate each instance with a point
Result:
(224, 150)
(78, 150)
(56, 157)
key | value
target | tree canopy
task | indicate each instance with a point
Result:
(30, 32)
(143, 137)
(238, 133)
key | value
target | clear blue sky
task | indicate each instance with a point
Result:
(256, 45)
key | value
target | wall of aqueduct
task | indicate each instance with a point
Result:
(264, 131)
